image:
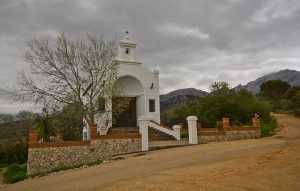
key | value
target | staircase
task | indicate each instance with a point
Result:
(123, 130)
(154, 135)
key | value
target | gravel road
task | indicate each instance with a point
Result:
(271, 163)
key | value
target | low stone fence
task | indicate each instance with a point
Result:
(52, 156)
(230, 134)
(224, 133)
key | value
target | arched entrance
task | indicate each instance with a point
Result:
(131, 87)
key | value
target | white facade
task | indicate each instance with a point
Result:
(137, 81)
(134, 81)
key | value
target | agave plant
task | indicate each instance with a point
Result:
(44, 125)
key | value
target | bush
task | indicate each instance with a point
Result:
(239, 106)
(219, 125)
(282, 97)
(267, 128)
(15, 173)
(14, 154)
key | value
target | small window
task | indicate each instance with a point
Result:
(152, 105)
(127, 50)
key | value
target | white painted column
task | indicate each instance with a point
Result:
(86, 130)
(192, 126)
(86, 127)
(176, 129)
(143, 125)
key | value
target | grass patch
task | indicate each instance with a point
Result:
(267, 129)
(15, 173)
(3, 165)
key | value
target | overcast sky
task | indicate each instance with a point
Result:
(192, 43)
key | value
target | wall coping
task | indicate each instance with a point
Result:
(192, 118)
(59, 144)
(84, 143)
(118, 136)
(232, 128)
(215, 131)
(211, 133)
(242, 128)
(208, 129)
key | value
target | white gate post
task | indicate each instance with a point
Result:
(143, 127)
(176, 129)
(192, 126)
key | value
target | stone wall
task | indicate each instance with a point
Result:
(229, 135)
(48, 157)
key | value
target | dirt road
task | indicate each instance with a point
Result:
(271, 163)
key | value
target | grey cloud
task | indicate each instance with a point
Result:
(192, 43)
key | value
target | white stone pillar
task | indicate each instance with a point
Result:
(86, 129)
(103, 130)
(192, 126)
(176, 129)
(143, 127)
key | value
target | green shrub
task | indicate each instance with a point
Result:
(239, 106)
(282, 97)
(219, 125)
(14, 154)
(15, 173)
(267, 128)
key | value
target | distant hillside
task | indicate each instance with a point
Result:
(177, 97)
(290, 76)
(12, 133)
(15, 115)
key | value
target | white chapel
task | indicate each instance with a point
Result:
(134, 81)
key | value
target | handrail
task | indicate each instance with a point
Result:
(161, 125)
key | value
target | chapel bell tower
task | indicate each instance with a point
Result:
(127, 52)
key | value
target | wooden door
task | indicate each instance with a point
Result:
(128, 117)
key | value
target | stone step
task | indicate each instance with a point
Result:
(155, 135)
(159, 139)
(122, 130)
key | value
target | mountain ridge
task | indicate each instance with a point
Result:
(290, 76)
(177, 97)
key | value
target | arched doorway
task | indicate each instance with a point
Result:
(131, 87)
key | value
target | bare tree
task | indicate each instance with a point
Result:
(26, 120)
(61, 73)
(7, 118)
(24, 115)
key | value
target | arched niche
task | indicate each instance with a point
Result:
(129, 86)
